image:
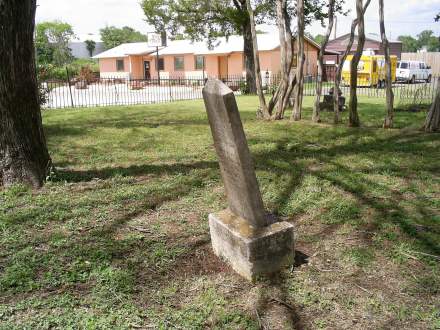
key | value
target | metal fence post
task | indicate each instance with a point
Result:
(70, 87)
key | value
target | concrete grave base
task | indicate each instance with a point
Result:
(251, 252)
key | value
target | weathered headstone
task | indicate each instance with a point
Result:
(242, 234)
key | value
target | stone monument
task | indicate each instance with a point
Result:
(243, 234)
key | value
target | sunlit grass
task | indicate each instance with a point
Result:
(119, 237)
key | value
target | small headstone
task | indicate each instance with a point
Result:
(242, 234)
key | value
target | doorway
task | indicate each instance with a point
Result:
(223, 67)
(147, 70)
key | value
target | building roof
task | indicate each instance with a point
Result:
(219, 46)
(222, 45)
(370, 37)
(134, 48)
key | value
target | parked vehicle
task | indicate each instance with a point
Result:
(371, 71)
(412, 71)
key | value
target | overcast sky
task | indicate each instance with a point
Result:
(402, 16)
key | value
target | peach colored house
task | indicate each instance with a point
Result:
(186, 59)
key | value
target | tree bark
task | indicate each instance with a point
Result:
(23, 153)
(248, 53)
(337, 118)
(288, 78)
(354, 120)
(331, 15)
(432, 123)
(297, 107)
(389, 118)
(263, 110)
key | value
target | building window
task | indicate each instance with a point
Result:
(179, 63)
(161, 64)
(199, 62)
(120, 65)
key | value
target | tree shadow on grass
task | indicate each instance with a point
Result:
(76, 176)
(412, 145)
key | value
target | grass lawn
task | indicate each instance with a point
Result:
(119, 237)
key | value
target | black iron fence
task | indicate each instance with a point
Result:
(74, 93)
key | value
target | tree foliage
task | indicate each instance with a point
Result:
(90, 45)
(52, 43)
(429, 40)
(208, 19)
(319, 38)
(112, 36)
(409, 44)
(424, 39)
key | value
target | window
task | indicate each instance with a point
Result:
(179, 63)
(161, 64)
(199, 62)
(375, 66)
(403, 65)
(120, 65)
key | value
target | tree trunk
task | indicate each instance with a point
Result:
(23, 153)
(432, 123)
(316, 109)
(297, 107)
(337, 118)
(263, 111)
(248, 53)
(354, 120)
(388, 122)
(288, 79)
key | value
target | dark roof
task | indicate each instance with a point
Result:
(369, 37)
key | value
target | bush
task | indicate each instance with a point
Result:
(52, 72)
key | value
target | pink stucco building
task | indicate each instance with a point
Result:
(186, 59)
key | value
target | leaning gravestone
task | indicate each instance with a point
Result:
(243, 234)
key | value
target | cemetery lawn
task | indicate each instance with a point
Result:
(119, 237)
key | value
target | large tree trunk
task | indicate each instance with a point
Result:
(248, 53)
(23, 153)
(388, 122)
(331, 15)
(432, 123)
(263, 111)
(354, 120)
(297, 106)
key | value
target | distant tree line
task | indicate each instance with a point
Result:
(53, 54)
(425, 39)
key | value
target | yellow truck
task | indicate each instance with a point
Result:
(371, 71)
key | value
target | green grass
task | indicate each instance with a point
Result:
(119, 237)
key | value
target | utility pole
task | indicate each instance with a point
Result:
(157, 65)
(336, 27)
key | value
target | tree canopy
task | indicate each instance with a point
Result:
(112, 36)
(319, 38)
(208, 19)
(424, 39)
(52, 42)
(90, 45)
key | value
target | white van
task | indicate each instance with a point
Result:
(411, 71)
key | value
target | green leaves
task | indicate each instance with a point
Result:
(52, 42)
(112, 36)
